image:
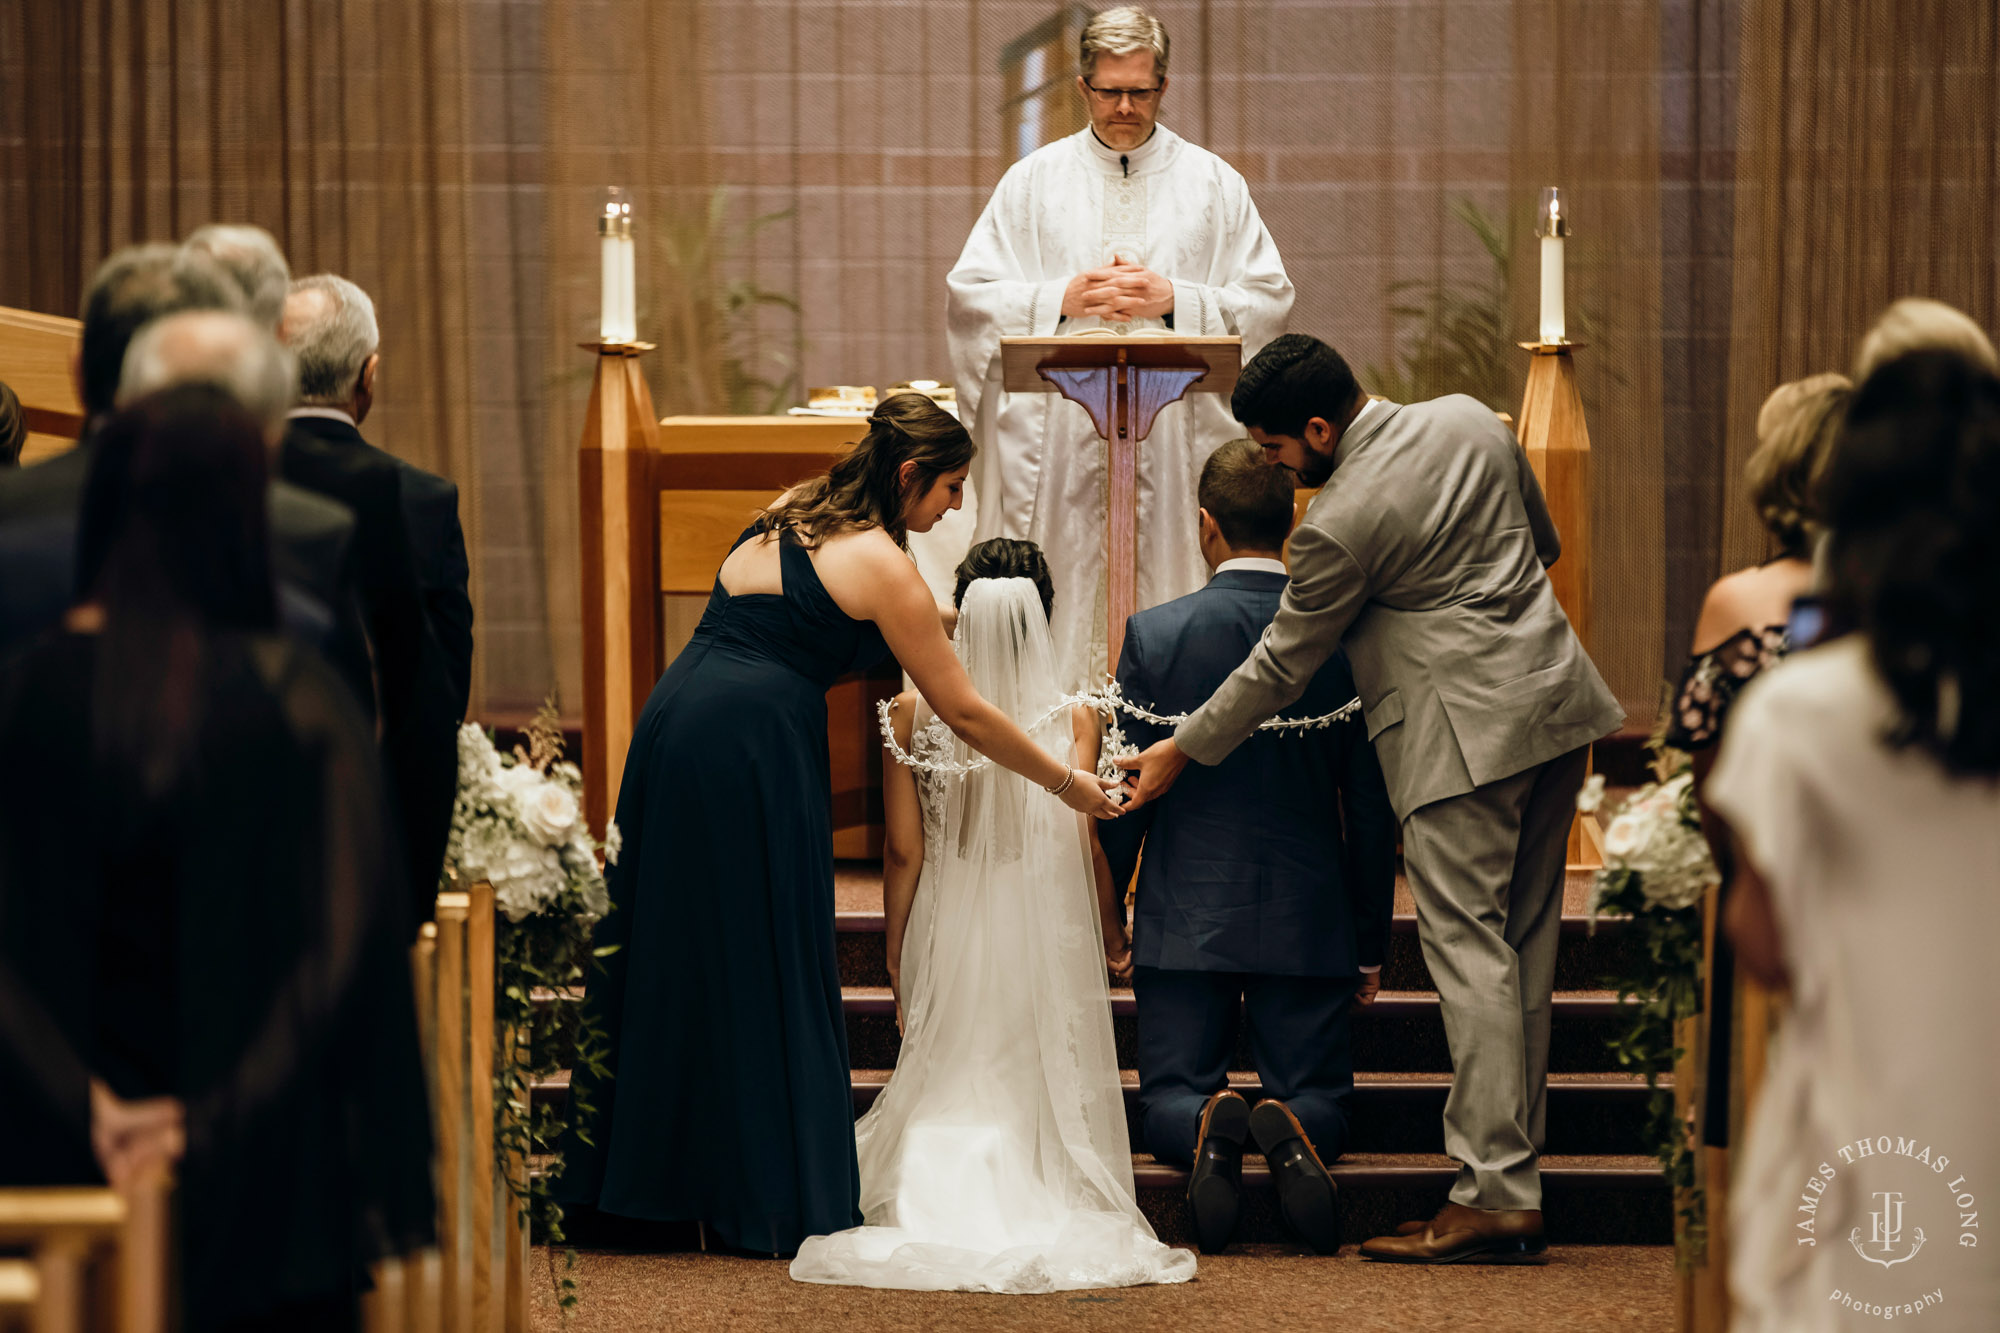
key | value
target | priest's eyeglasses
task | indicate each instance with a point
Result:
(1113, 96)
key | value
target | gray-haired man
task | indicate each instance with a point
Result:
(329, 325)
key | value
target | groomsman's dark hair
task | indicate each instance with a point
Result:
(1294, 379)
(1006, 558)
(1250, 501)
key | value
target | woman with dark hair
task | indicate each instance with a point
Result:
(1860, 785)
(728, 1096)
(197, 890)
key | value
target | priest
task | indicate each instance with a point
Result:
(1121, 227)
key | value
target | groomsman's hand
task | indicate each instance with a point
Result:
(1371, 986)
(1153, 771)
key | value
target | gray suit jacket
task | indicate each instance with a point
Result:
(1425, 557)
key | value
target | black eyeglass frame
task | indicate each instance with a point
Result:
(1112, 96)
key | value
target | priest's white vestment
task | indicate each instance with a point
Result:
(1041, 472)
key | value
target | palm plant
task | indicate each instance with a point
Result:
(716, 361)
(1462, 340)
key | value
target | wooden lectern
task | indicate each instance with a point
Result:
(1123, 382)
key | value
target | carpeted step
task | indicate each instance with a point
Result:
(1598, 1200)
(1586, 953)
(1402, 1033)
(1587, 1113)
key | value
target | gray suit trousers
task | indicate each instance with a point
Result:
(1486, 870)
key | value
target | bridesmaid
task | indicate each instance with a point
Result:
(727, 1100)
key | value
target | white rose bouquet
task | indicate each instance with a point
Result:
(518, 825)
(1657, 872)
(1654, 852)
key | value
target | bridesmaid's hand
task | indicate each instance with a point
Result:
(1091, 795)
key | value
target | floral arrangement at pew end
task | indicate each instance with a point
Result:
(518, 824)
(1658, 872)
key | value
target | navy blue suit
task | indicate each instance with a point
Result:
(1267, 880)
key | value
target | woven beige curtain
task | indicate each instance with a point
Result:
(625, 91)
(1870, 136)
(1586, 117)
(340, 126)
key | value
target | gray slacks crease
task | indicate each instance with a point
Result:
(1486, 870)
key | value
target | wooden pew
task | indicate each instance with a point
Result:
(35, 359)
(96, 1259)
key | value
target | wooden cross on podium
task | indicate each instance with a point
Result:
(1123, 382)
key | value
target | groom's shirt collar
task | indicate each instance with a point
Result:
(1255, 564)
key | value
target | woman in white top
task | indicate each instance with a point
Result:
(1861, 784)
(997, 1159)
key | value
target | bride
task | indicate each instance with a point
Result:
(996, 1159)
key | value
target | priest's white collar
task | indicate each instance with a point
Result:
(1148, 156)
(1255, 564)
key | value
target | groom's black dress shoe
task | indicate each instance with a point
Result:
(1215, 1187)
(1308, 1199)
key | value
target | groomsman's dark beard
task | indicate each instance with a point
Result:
(1316, 471)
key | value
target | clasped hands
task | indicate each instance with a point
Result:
(1118, 293)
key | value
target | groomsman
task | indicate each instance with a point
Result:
(1266, 886)
(1423, 553)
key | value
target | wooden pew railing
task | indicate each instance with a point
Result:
(96, 1259)
(476, 1279)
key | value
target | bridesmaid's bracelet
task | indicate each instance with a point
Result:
(1062, 786)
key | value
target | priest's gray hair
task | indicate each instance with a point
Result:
(330, 327)
(252, 257)
(217, 348)
(1123, 31)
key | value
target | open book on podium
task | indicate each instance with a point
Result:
(1122, 380)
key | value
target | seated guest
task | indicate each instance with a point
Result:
(13, 428)
(1743, 624)
(1265, 887)
(1917, 323)
(39, 504)
(329, 325)
(198, 886)
(1860, 784)
(412, 693)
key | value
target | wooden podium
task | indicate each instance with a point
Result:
(1123, 382)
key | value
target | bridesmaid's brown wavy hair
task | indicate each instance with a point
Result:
(864, 489)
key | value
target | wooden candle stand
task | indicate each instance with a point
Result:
(1557, 442)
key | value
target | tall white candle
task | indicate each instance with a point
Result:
(617, 320)
(628, 286)
(1552, 224)
(1552, 289)
(609, 302)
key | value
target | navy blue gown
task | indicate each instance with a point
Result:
(729, 1098)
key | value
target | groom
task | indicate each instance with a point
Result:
(1266, 887)
(1423, 554)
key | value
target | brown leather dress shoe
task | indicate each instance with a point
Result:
(1216, 1183)
(1462, 1235)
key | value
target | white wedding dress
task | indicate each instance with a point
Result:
(997, 1159)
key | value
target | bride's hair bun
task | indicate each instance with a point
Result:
(1006, 558)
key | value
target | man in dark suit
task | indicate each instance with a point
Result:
(1265, 889)
(39, 504)
(329, 325)
(412, 692)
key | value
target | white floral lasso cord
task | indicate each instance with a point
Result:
(1109, 701)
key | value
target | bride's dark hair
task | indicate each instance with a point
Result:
(865, 489)
(1913, 502)
(1006, 558)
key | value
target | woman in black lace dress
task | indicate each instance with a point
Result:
(1744, 630)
